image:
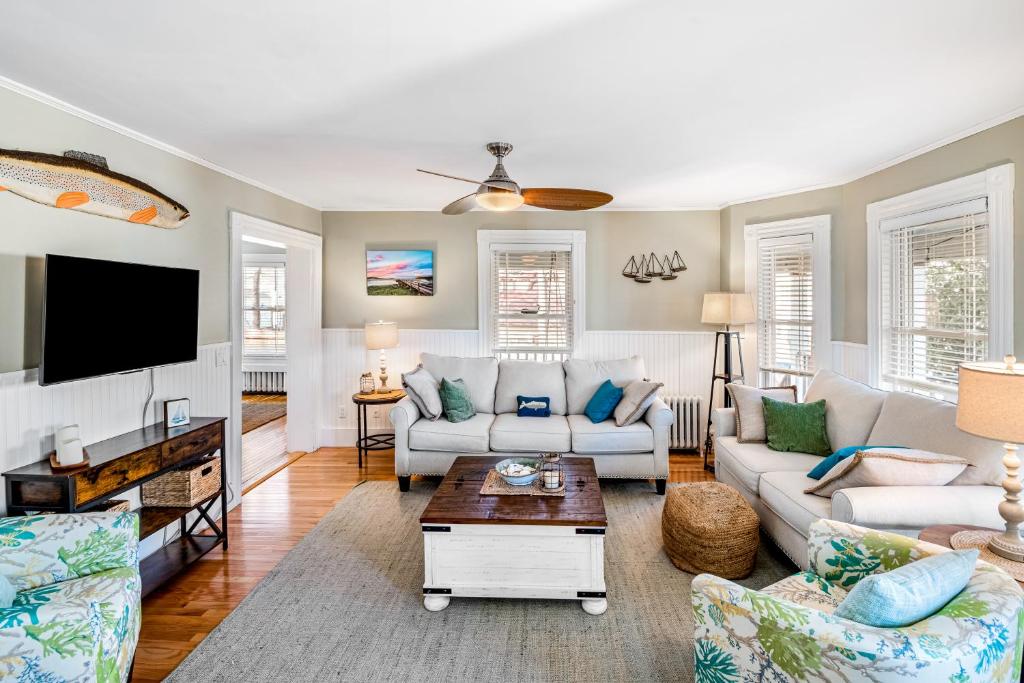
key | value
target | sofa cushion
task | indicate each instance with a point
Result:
(750, 409)
(583, 377)
(515, 434)
(479, 374)
(851, 408)
(471, 436)
(529, 378)
(637, 397)
(422, 389)
(889, 467)
(606, 437)
(783, 493)
(920, 422)
(747, 461)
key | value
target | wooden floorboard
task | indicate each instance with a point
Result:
(273, 517)
(264, 450)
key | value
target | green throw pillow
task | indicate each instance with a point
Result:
(796, 427)
(458, 406)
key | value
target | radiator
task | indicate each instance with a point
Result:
(685, 430)
(264, 382)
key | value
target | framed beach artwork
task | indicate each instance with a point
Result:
(405, 272)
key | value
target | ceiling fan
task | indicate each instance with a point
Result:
(500, 193)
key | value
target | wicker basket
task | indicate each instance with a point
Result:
(184, 487)
(112, 505)
(709, 527)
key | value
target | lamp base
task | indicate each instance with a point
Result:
(1009, 548)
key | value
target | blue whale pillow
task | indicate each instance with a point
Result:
(533, 406)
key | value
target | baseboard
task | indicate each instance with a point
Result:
(341, 437)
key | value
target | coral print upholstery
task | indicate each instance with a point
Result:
(77, 611)
(787, 631)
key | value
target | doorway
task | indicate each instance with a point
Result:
(276, 349)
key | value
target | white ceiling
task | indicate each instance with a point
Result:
(664, 104)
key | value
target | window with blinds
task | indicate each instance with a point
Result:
(785, 310)
(263, 309)
(531, 301)
(934, 269)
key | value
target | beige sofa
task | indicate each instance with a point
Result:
(636, 451)
(857, 415)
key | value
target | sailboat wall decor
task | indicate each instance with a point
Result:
(647, 267)
(82, 182)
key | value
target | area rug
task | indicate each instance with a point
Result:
(259, 409)
(346, 605)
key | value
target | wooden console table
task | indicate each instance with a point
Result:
(122, 463)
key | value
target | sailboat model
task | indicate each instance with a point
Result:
(670, 273)
(631, 269)
(676, 264)
(643, 271)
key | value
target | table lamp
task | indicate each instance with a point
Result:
(991, 405)
(725, 308)
(379, 336)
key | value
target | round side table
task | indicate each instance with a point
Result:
(373, 442)
(941, 533)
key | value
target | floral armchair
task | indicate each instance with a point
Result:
(787, 632)
(76, 613)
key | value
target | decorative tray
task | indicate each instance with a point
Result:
(494, 485)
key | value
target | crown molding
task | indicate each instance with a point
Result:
(98, 120)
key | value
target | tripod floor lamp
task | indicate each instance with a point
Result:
(724, 308)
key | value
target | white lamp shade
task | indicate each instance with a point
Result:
(991, 400)
(381, 335)
(727, 308)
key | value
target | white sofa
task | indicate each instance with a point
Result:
(857, 415)
(636, 451)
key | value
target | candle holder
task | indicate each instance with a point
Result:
(366, 385)
(551, 477)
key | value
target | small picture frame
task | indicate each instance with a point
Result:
(177, 412)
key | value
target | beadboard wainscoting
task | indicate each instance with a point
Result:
(850, 359)
(681, 360)
(107, 406)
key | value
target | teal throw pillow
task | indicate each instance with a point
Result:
(602, 403)
(796, 427)
(822, 468)
(7, 593)
(458, 406)
(910, 593)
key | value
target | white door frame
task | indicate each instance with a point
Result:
(304, 294)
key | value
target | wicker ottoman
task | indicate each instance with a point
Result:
(709, 527)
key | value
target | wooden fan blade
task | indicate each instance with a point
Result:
(465, 180)
(564, 199)
(467, 203)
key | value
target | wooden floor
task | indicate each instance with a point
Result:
(273, 517)
(264, 450)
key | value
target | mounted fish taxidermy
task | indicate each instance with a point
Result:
(83, 182)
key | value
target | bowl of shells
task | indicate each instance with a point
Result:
(519, 471)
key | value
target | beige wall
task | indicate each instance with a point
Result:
(613, 301)
(28, 230)
(847, 204)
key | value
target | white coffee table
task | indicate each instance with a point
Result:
(514, 546)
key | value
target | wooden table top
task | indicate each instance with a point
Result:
(390, 397)
(458, 500)
(119, 446)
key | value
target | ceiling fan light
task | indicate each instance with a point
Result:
(499, 201)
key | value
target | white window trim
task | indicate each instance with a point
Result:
(820, 228)
(996, 184)
(575, 239)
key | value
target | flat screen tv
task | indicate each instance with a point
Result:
(106, 317)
